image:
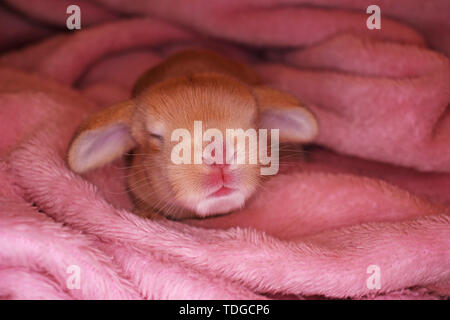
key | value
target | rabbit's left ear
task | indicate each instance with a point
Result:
(280, 110)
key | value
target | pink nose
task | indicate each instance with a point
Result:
(220, 172)
(214, 164)
(219, 165)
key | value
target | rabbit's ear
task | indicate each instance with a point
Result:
(104, 137)
(280, 110)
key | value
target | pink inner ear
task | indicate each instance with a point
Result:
(109, 138)
(100, 146)
(295, 124)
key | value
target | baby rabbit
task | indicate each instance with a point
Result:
(189, 88)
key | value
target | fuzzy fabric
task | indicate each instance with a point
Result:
(376, 192)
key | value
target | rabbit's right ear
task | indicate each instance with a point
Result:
(104, 137)
(282, 111)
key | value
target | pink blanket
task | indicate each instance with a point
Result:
(364, 215)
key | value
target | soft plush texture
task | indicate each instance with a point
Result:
(374, 191)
